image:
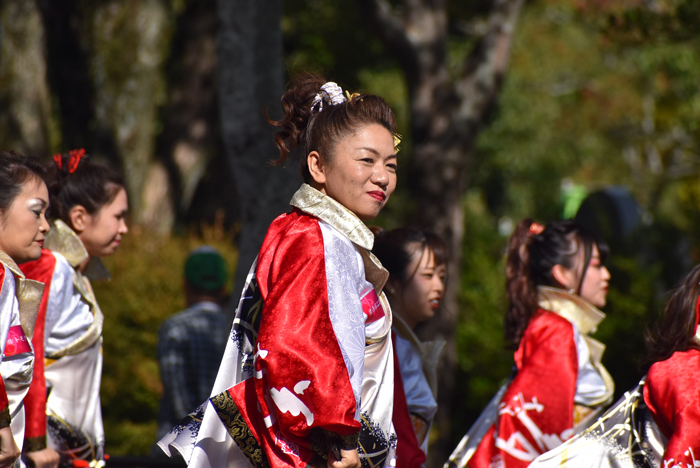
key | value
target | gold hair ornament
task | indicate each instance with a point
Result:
(397, 142)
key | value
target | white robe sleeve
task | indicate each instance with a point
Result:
(345, 276)
(68, 316)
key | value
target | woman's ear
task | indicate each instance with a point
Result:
(79, 218)
(393, 287)
(316, 167)
(566, 277)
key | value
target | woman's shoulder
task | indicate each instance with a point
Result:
(681, 362)
(50, 264)
(545, 324)
(544, 318)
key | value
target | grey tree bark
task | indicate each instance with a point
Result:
(251, 77)
(25, 100)
(447, 112)
(130, 40)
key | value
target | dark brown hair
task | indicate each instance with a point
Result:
(676, 328)
(529, 262)
(314, 130)
(89, 185)
(15, 171)
(395, 249)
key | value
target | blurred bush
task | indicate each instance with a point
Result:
(145, 289)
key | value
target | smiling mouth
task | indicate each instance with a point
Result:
(381, 196)
(435, 303)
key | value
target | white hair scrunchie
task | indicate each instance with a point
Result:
(329, 92)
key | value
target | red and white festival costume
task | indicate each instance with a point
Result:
(19, 305)
(655, 425)
(309, 365)
(418, 371)
(559, 386)
(68, 334)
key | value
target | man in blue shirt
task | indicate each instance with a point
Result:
(191, 343)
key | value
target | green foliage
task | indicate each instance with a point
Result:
(146, 288)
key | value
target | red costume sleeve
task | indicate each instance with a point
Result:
(301, 381)
(536, 413)
(408, 452)
(672, 395)
(4, 402)
(35, 400)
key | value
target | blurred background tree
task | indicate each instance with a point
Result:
(594, 97)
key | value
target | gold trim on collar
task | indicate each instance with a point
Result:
(585, 317)
(9, 263)
(574, 308)
(62, 239)
(313, 202)
(29, 294)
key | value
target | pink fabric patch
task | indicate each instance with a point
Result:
(372, 306)
(17, 342)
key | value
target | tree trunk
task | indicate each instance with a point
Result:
(130, 40)
(68, 72)
(25, 102)
(251, 76)
(447, 115)
(191, 137)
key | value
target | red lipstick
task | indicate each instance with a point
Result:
(381, 196)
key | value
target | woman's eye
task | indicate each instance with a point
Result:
(393, 167)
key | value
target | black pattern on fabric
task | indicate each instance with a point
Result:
(71, 439)
(237, 428)
(373, 445)
(247, 323)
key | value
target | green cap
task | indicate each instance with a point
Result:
(206, 269)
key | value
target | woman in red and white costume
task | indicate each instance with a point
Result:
(555, 281)
(656, 424)
(88, 213)
(416, 261)
(24, 199)
(307, 377)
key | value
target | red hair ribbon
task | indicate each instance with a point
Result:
(535, 229)
(75, 157)
(57, 158)
(697, 316)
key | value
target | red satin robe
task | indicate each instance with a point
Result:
(35, 401)
(298, 359)
(672, 394)
(536, 412)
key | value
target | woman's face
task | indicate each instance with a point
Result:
(419, 298)
(361, 175)
(23, 225)
(102, 232)
(594, 287)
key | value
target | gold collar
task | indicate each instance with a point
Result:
(9, 263)
(29, 293)
(62, 239)
(574, 308)
(310, 200)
